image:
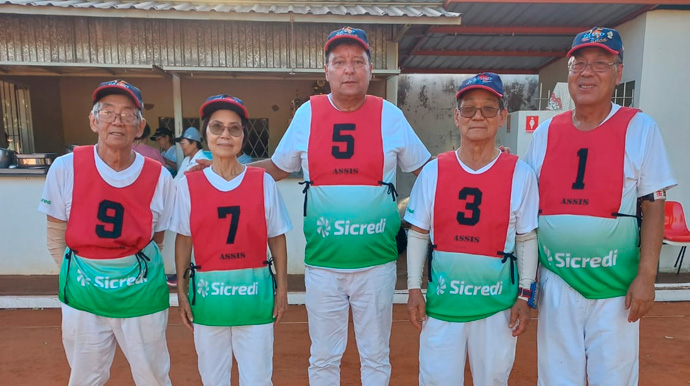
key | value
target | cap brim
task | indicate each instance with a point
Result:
(153, 138)
(351, 37)
(212, 106)
(475, 87)
(585, 45)
(115, 89)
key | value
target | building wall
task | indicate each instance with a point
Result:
(658, 62)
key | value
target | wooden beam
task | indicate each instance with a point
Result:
(467, 70)
(446, 3)
(513, 53)
(507, 30)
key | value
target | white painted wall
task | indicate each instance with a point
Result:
(657, 58)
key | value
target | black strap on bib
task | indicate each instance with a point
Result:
(190, 273)
(269, 263)
(391, 189)
(69, 253)
(513, 259)
(305, 190)
(429, 257)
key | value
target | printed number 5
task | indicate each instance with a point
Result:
(234, 212)
(473, 206)
(347, 139)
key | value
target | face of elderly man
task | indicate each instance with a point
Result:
(478, 127)
(594, 85)
(348, 70)
(120, 132)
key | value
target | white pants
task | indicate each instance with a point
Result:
(329, 296)
(253, 349)
(584, 341)
(443, 347)
(90, 342)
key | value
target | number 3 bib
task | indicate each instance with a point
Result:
(583, 236)
(470, 270)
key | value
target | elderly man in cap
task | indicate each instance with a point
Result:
(190, 142)
(594, 164)
(107, 208)
(348, 145)
(480, 206)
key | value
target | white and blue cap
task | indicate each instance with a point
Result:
(485, 81)
(191, 133)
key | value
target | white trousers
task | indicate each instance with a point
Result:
(251, 345)
(329, 296)
(443, 347)
(584, 341)
(90, 342)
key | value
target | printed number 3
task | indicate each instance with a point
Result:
(579, 183)
(347, 139)
(234, 212)
(112, 213)
(473, 206)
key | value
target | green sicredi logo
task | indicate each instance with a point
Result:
(43, 200)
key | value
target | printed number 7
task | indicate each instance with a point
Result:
(234, 212)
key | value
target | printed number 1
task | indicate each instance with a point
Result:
(234, 212)
(579, 183)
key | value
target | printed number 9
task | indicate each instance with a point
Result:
(112, 213)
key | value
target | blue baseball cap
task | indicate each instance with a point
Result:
(118, 86)
(191, 133)
(606, 38)
(223, 102)
(486, 81)
(354, 34)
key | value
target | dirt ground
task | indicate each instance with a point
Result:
(31, 351)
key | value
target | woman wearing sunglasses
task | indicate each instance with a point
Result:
(228, 213)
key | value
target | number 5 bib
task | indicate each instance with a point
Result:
(350, 214)
(586, 234)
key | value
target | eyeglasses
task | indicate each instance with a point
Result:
(469, 111)
(217, 128)
(127, 118)
(356, 64)
(597, 66)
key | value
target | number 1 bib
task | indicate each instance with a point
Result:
(583, 236)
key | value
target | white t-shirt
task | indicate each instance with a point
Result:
(188, 163)
(646, 166)
(401, 146)
(56, 200)
(524, 199)
(277, 218)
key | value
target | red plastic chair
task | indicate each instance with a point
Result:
(676, 230)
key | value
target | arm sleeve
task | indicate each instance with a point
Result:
(55, 239)
(181, 210)
(164, 199)
(655, 172)
(413, 154)
(526, 249)
(417, 244)
(287, 155)
(277, 218)
(53, 201)
(421, 203)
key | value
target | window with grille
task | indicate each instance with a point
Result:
(16, 129)
(624, 94)
(257, 141)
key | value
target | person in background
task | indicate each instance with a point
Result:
(142, 148)
(165, 140)
(190, 142)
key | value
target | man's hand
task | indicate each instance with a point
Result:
(185, 310)
(280, 306)
(640, 298)
(201, 164)
(519, 317)
(416, 308)
(504, 149)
